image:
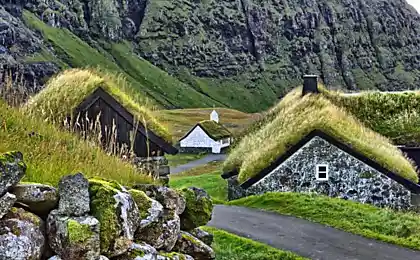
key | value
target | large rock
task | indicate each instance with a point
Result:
(74, 195)
(139, 251)
(21, 236)
(73, 237)
(39, 198)
(12, 170)
(162, 234)
(198, 208)
(194, 247)
(6, 203)
(169, 198)
(56, 257)
(204, 236)
(150, 209)
(118, 214)
(174, 256)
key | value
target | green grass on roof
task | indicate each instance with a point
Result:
(51, 153)
(67, 90)
(296, 117)
(215, 130)
(394, 115)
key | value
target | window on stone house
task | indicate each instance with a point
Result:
(322, 172)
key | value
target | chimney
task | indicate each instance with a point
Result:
(310, 84)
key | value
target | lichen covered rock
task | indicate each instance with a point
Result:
(204, 236)
(188, 244)
(150, 209)
(162, 234)
(39, 198)
(12, 169)
(169, 198)
(74, 195)
(174, 256)
(118, 214)
(21, 236)
(198, 210)
(139, 251)
(6, 203)
(73, 237)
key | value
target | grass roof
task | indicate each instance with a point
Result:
(394, 115)
(297, 116)
(215, 130)
(51, 152)
(67, 90)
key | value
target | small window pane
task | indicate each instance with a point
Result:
(322, 175)
(322, 168)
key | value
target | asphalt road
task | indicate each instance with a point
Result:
(201, 161)
(303, 237)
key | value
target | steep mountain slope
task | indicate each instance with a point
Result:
(242, 53)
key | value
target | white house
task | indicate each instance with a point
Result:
(208, 135)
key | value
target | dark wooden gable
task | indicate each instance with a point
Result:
(112, 113)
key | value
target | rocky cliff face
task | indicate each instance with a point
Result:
(353, 44)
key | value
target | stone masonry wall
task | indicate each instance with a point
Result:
(97, 219)
(349, 178)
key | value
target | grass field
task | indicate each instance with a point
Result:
(180, 121)
(231, 247)
(211, 182)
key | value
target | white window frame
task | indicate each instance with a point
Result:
(317, 172)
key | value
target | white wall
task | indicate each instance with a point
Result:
(199, 139)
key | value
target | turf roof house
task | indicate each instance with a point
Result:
(91, 96)
(314, 153)
(206, 136)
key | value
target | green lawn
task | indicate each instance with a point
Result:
(382, 224)
(183, 158)
(211, 182)
(231, 247)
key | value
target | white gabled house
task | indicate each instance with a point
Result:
(208, 136)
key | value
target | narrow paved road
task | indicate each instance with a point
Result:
(305, 238)
(201, 161)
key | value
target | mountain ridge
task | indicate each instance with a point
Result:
(243, 54)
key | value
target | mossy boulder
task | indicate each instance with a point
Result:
(39, 198)
(188, 244)
(139, 251)
(118, 214)
(150, 209)
(204, 236)
(6, 203)
(12, 170)
(21, 235)
(169, 198)
(73, 237)
(162, 234)
(74, 195)
(198, 210)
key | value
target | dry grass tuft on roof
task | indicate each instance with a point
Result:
(67, 90)
(295, 117)
(394, 115)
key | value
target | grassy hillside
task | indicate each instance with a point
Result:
(181, 120)
(71, 51)
(51, 153)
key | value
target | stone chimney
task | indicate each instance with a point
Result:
(310, 84)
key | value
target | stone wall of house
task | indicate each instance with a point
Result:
(349, 178)
(96, 219)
